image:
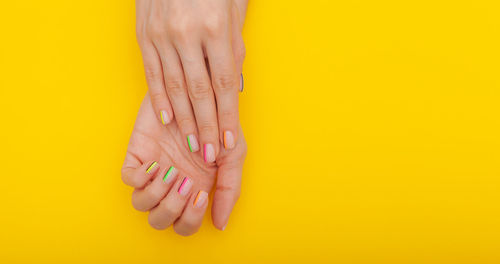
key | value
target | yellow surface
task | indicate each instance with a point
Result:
(373, 129)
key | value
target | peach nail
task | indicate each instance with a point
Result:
(200, 199)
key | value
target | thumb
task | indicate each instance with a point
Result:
(227, 192)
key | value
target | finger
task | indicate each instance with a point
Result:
(203, 101)
(171, 207)
(154, 77)
(137, 177)
(190, 221)
(226, 194)
(238, 44)
(225, 83)
(147, 198)
(178, 95)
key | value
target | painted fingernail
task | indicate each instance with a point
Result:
(228, 140)
(152, 168)
(165, 118)
(185, 186)
(192, 143)
(241, 83)
(200, 199)
(170, 175)
(209, 153)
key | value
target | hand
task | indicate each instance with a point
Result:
(174, 199)
(193, 54)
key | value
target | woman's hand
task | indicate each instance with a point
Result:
(179, 196)
(193, 54)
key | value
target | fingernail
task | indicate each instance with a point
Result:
(241, 82)
(152, 167)
(228, 140)
(165, 119)
(209, 153)
(185, 186)
(200, 199)
(193, 143)
(224, 227)
(170, 175)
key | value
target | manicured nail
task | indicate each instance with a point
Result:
(241, 83)
(200, 199)
(152, 167)
(185, 186)
(228, 140)
(165, 119)
(193, 143)
(209, 153)
(170, 175)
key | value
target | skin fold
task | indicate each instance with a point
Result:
(151, 141)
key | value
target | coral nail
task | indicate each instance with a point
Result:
(200, 199)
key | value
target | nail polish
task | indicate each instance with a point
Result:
(209, 153)
(165, 119)
(228, 140)
(152, 167)
(241, 82)
(185, 186)
(200, 199)
(192, 143)
(170, 175)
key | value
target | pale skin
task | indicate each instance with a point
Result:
(193, 54)
(151, 141)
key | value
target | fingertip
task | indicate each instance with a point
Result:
(165, 117)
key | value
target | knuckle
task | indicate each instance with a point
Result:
(153, 223)
(179, 27)
(200, 89)
(153, 196)
(189, 227)
(153, 74)
(225, 82)
(175, 86)
(136, 204)
(169, 210)
(208, 128)
(139, 34)
(234, 192)
(156, 30)
(131, 181)
(241, 53)
(214, 24)
(157, 96)
(185, 122)
(227, 115)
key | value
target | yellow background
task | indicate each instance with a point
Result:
(373, 131)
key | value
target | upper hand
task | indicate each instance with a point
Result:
(193, 53)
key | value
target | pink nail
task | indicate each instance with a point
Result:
(228, 140)
(193, 143)
(209, 153)
(185, 186)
